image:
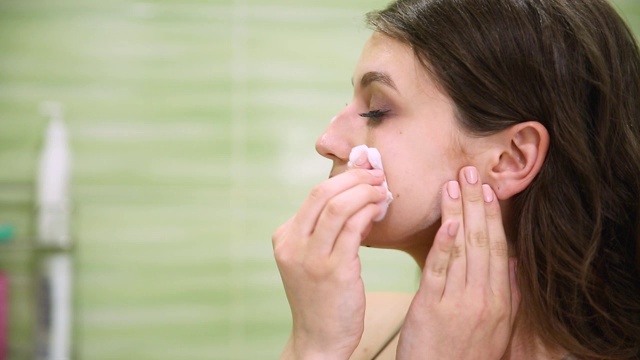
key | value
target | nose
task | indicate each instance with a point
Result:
(338, 139)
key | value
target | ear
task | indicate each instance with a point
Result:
(518, 157)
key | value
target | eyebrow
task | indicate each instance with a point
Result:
(376, 76)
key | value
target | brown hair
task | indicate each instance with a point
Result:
(574, 66)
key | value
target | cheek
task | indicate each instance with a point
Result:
(417, 185)
(416, 170)
(413, 210)
(416, 190)
(417, 200)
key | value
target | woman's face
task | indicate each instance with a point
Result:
(416, 134)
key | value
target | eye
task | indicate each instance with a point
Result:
(375, 116)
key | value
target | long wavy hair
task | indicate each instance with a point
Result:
(574, 66)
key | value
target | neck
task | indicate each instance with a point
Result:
(420, 246)
(525, 345)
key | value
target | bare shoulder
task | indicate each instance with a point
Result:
(384, 315)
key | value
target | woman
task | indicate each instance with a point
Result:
(525, 108)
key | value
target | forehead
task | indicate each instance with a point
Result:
(396, 59)
(385, 49)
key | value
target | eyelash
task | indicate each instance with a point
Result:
(375, 116)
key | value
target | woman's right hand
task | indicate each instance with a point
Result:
(317, 256)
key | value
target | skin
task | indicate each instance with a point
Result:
(445, 215)
(416, 108)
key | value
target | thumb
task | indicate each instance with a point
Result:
(361, 162)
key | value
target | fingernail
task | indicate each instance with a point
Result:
(471, 174)
(453, 189)
(361, 159)
(382, 190)
(452, 229)
(487, 193)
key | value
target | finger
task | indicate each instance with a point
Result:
(362, 162)
(308, 214)
(515, 291)
(452, 210)
(354, 230)
(434, 277)
(338, 211)
(475, 228)
(498, 248)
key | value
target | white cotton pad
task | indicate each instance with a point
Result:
(376, 162)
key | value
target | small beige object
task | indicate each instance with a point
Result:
(376, 162)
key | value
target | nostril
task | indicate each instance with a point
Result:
(335, 141)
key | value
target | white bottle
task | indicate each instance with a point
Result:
(53, 179)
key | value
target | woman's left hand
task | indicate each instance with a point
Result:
(467, 300)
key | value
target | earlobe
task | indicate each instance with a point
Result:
(523, 153)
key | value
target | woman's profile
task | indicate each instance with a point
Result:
(509, 131)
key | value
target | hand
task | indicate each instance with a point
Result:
(467, 299)
(317, 255)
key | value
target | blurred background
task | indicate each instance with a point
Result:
(191, 128)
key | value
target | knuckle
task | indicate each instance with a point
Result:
(282, 255)
(457, 251)
(333, 209)
(479, 238)
(438, 270)
(318, 193)
(276, 245)
(277, 235)
(492, 213)
(499, 248)
(454, 211)
(474, 197)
